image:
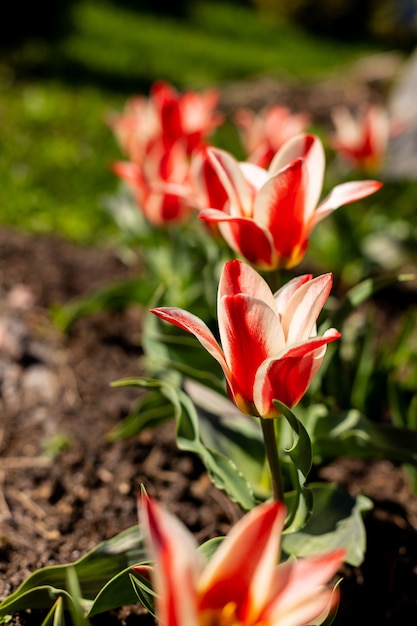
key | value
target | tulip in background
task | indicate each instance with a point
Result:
(166, 117)
(264, 133)
(270, 213)
(242, 584)
(158, 135)
(161, 186)
(270, 349)
(362, 139)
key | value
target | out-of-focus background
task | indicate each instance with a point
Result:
(65, 65)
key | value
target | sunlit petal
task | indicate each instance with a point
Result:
(344, 194)
(288, 376)
(310, 149)
(242, 569)
(232, 179)
(250, 332)
(194, 325)
(175, 579)
(304, 307)
(245, 237)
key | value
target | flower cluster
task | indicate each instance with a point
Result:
(158, 135)
(268, 345)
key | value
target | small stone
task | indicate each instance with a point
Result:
(39, 386)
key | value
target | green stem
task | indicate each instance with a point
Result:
(272, 455)
(273, 279)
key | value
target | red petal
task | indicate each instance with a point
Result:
(245, 237)
(280, 207)
(194, 325)
(246, 559)
(287, 377)
(250, 333)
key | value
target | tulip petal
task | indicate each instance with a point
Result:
(283, 295)
(343, 194)
(254, 175)
(238, 277)
(279, 206)
(250, 332)
(242, 568)
(245, 237)
(310, 149)
(304, 597)
(304, 307)
(209, 190)
(130, 172)
(194, 325)
(287, 377)
(174, 579)
(232, 179)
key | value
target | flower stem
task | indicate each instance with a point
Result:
(272, 455)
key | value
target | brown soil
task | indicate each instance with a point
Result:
(55, 388)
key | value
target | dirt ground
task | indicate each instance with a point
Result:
(64, 487)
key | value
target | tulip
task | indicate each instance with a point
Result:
(270, 348)
(189, 117)
(242, 584)
(271, 213)
(137, 128)
(362, 140)
(263, 133)
(161, 185)
(166, 117)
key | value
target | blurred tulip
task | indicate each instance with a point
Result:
(264, 133)
(270, 213)
(137, 128)
(362, 140)
(270, 349)
(158, 136)
(242, 584)
(189, 117)
(161, 185)
(165, 118)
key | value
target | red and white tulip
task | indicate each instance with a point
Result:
(362, 139)
(269, 345)
(264, 133)
(161, 185)
(242, 584)
(270, 214)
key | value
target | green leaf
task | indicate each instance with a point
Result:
(362, 292)
(36, 597)
(56, 616)
(222, 470)
(232, 433)
(336, 522)
(94, 571)
(208, 548)
(152, 410)
(352, 434)
(74, 590)
(298, 450)
(143, 591)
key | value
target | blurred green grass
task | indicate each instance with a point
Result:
(54, 96)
